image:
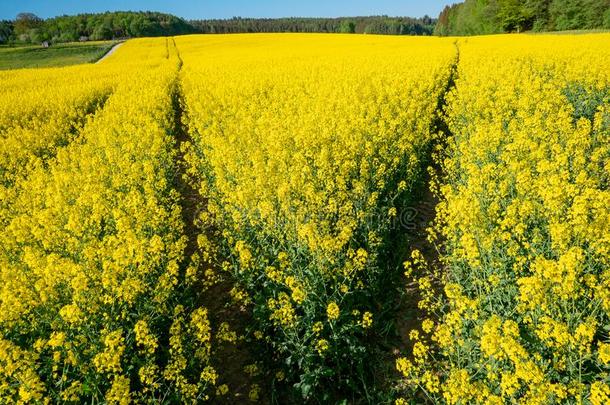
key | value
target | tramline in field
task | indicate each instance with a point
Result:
(304, 152)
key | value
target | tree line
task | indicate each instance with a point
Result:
(360, 25)
(29, 28)
(475, 17)
(471, 17)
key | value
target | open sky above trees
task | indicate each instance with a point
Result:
(211, 9)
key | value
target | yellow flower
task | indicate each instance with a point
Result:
(225, 334)
(144, 337)
(201, 325)
(283, 313)
(110, 359)
(254, 393)
(420, 352)
(332, 311)
(404, 366)
(245, 255)
(510, 384)
(604, 353)
(583, 335)
(222, 390)
(491, 339)
(71, 313)
(148, 376)
(56, 339)
(367, 320)
(431, 382)
(274, 274)
(298, 293)
(119, 392)
(251, 370)
(322, 346)
(72, 393)
(457, 388)
(209, 375)
(600, 393)
(427, 325)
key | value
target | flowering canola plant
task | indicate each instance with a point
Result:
(44, 109)
(93, 304)
(305, 150)
(304, 147)
(525, 220)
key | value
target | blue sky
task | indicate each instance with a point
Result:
(194, 9)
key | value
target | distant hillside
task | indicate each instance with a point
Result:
(474, 17)
(28, 28)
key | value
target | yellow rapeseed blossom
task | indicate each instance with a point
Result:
(254, 393)
(332, 311)
(604, 353)
(367, 320)
(600, 393)
(304, 148)
(119, 392)
(322, 346)
(524, 222)
(144, 337)
(110, 359)
(222, 390)
(92, 233)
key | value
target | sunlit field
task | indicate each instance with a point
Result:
(240, 218)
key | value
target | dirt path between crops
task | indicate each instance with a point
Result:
(110, 52)
(229, 359)
(424, 214)
(422, 217)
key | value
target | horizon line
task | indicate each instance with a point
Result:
(218, 18)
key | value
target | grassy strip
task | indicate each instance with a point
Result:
(54, 56)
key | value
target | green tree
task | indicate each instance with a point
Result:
(473, 17)
(537, 14)
(511, 16)
(347, 27)
(26, 27)
(6, 31)
(102, 32)
(26, 22)
(442, 25)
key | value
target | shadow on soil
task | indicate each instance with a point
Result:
(228, 358)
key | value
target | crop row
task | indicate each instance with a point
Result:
(307, 149)
(525, 220)
(93, 304)
(306, 152)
